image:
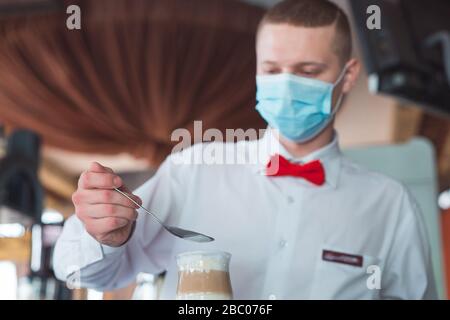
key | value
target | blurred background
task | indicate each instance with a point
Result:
(115, 90)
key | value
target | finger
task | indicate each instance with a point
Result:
(100, 211)
(97, 167)
(104, 196)
(104, 226)
(96, 180)
(124, 189)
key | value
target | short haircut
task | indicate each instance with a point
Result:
(311, 14)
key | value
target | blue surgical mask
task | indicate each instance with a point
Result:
(300, 108)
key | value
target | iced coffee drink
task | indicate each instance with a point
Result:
(204, 276)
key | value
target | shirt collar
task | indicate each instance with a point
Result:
(329, 155)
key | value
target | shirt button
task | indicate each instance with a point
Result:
(282, 243)
(272, 297)
(290, 199)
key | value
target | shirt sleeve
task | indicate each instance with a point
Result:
(408, 272)
(104, 268)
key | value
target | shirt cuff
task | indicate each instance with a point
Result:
(94, 251)
(111, 250)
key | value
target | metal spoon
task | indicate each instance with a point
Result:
(181, 233)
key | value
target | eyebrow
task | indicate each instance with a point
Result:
(301, 64)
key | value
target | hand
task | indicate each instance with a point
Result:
(107, 215)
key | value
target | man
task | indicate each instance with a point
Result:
(318, 226)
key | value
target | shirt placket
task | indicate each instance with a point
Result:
(282, 242)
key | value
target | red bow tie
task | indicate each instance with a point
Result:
(311, 171)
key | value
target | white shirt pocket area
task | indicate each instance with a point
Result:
(338, 279)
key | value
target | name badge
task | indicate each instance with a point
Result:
(344, 258)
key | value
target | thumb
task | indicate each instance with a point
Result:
(97, 167)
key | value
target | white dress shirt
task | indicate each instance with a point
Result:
(276, 229)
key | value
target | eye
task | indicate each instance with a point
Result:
(309, 73)
(271, 71)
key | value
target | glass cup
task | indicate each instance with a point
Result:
(204, 275)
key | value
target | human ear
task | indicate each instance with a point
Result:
(352, 74)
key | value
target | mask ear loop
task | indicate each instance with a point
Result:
(341, 97)
(341, 76)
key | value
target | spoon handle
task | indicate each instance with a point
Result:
(147, 211)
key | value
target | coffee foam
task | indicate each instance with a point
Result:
(203, 261)
(204, 296)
